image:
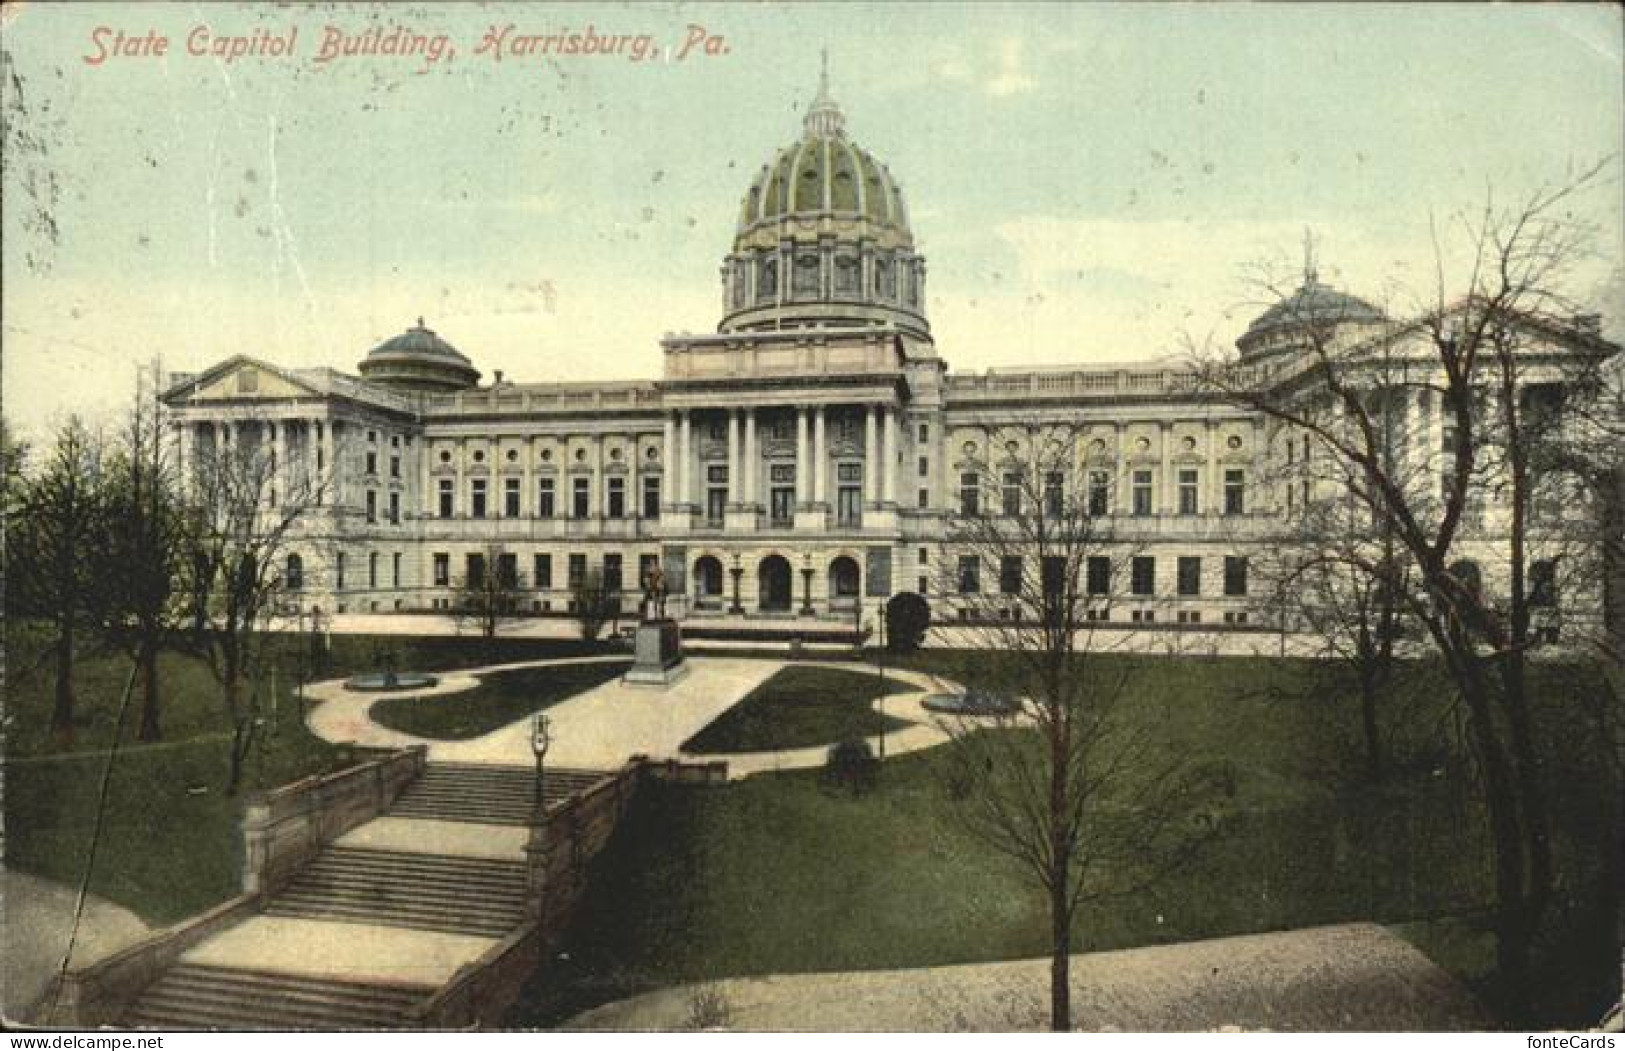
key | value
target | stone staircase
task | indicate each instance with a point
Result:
(190, 996)
(445, 893)
(486, 795)
(426, 892)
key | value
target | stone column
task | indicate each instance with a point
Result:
(330, 462)
(1123, 481)
(752, 458)
(685, 457)
(889, 448)
(803, 466)
(1213, 499)
(733, 456)
(1167, 493)
(282, 476)
(428, 496)
(668, 458)
(459, 497)
(871, 458)
(598, 501)
(820, 455)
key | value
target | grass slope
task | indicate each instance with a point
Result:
(800, 706)
(501, 698)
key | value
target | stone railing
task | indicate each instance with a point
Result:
(1077, 383)
(283, 830)
(482, 990)
(100, 994)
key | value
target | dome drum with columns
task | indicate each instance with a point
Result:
(823, 239)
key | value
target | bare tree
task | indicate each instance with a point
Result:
(52, 549)
(243, 514)
(596, 604)
(1075, 794)
(1482, 366)
(142, 554)
(490, 591)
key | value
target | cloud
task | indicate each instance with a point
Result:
(1011, 76)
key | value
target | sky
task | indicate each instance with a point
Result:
(1088, 183)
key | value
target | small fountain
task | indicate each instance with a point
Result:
(387, 678)
(972, 702)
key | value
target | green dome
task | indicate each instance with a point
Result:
(824, 174)
(418, 359)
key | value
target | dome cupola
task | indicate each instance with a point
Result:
(823, 239)
(419, 360)
(1315, 312)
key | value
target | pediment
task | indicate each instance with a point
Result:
(243, 379)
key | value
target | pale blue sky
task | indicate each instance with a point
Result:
(1087, 182)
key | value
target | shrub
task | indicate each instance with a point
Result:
(708, 1008)
(908, 616)
(852, 765)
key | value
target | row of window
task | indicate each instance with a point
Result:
(507, 570)
(547, 498)
(1098, 494)
(294, 572)
(1098, 571)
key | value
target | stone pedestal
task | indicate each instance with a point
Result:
(657, 654)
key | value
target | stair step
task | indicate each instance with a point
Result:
(405, 993)
(435, 885)
(402, 898)
(171, 998)
(168, 1014)
(425, 864)
(465, 925)
(502, 872)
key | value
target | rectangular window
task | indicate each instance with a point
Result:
(1100, 493)
(546, 498)
(1188, 502)
(395, 570)
(394, 508)
(445, 498)
(1235, 575)
(395, 466)
(924, 466)
(442, 569)
(580, 498)
(372, 462)
(1098, 574)
(1235, 492)
(1054, 498)
(508, 569)
(510, 498)
(617, 498)
(970, 490)
(651, 496)
(1053, 573)
(578, 570)
(924, 499)
(476, 508)
(849, 495)
(474, 570)
(612, 573)
(372, 569)
(925, 432)
(1010, 575)
(372, 505)
(338, 571)
(970, 575)
(1190, 576)
(781, 504)
(542, 571)
(1142, 493)
(1143, 575)
(1010, 494)
(716, 493)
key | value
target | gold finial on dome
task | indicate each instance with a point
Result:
(824, 117)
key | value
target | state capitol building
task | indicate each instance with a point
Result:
(805, 461)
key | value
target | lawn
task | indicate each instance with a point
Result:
(501, 698)
(800, 706)
(774, 874)
(170, 846)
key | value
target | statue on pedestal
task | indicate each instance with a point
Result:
(654, 594)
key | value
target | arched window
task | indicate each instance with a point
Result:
(295, 576)
(846, 275)
(768, 286)
(807, 276)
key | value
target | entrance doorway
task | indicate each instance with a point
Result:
(774, 583)
(707, 583)
(843, 584)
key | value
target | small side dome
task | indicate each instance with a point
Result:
(1287, 324)
(419, 360)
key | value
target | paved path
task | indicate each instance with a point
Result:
(357, 952)
(36, 916)
(1354, 977)
(601, 728)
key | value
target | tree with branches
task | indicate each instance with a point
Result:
(1481, 370)
(1072, 792)
(52, 552)
(489, 594)
(244, 512)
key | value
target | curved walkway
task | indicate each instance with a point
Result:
(36, 916)
(602, 727)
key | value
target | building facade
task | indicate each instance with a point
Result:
(805, 460)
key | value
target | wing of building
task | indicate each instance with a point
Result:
(806, 460)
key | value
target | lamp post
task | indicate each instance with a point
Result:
(541, 736)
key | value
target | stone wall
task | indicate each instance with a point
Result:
(284, 829)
